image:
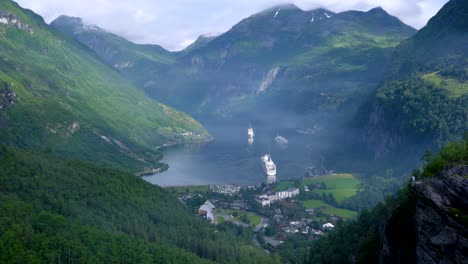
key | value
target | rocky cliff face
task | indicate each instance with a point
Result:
(441, 238)
(437, 232)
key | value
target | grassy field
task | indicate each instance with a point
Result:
(220, 220)
(341, 186)
(254, 219)
(284, 185)
(453, 86)
(314, 204)
(344, 213)
(329, 209)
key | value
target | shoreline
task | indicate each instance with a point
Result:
(166, 146)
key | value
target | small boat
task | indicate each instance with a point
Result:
(250, 132)
(281, 140)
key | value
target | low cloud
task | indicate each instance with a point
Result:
(175, 24)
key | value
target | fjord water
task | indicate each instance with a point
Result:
(230, 159)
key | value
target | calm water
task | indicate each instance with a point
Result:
(230, 159)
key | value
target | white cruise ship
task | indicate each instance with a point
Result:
(281, 140)
(268, 165)
(250, 132)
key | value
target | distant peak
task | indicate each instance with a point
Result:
(76, 23)
(321, 11)
(278, 8)
(377, 10)
(69, 19)
(286, 6)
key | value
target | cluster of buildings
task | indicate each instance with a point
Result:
(187, 134)
(229, 190)
(267, 199)
(303, 227)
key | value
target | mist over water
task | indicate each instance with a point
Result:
(231, 159)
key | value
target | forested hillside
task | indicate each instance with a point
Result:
(56, 210)
(55, 95)
(423, 102)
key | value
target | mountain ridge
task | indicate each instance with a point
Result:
(60, 97)
(427, 80)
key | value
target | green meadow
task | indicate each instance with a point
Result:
(328, 209)
(341, 186)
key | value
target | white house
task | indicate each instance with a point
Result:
(207, 210)
(291, 192)
(327, 226)
(266, 199)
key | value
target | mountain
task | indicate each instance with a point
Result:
(62, 110)
(425, 223)
(57, 96)
(318, 60)
(423, 100)
(201, 42)
(132, 60)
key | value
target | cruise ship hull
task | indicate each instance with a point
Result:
(268, 165)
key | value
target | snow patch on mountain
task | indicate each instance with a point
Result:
(277, 12)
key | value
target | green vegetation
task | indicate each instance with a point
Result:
(190, 189)
(343, 213)
(455, 87)
(245, 217)
(338, 194)
(425, 111)
(284, 185)
(56, 210)
(361, 238)
(220, 220)
(341, 186)
(349, 49)
(329, 209)
(423, 102)
(335, 181)
(453, 154)
(65, 100)
(314, 204)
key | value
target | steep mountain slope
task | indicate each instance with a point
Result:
(63, 211)
(283, 58)
(201, 42)
(134, 61)
(424, 100)
(425, 223)
(56, 95)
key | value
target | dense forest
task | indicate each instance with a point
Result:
(421, 103)
(56, 210)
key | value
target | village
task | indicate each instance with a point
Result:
(302, 209)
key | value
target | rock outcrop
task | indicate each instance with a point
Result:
(441, 238)
(436, 232)
(7, 96)
(7, 18)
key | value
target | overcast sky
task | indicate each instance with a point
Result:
(174, 24)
